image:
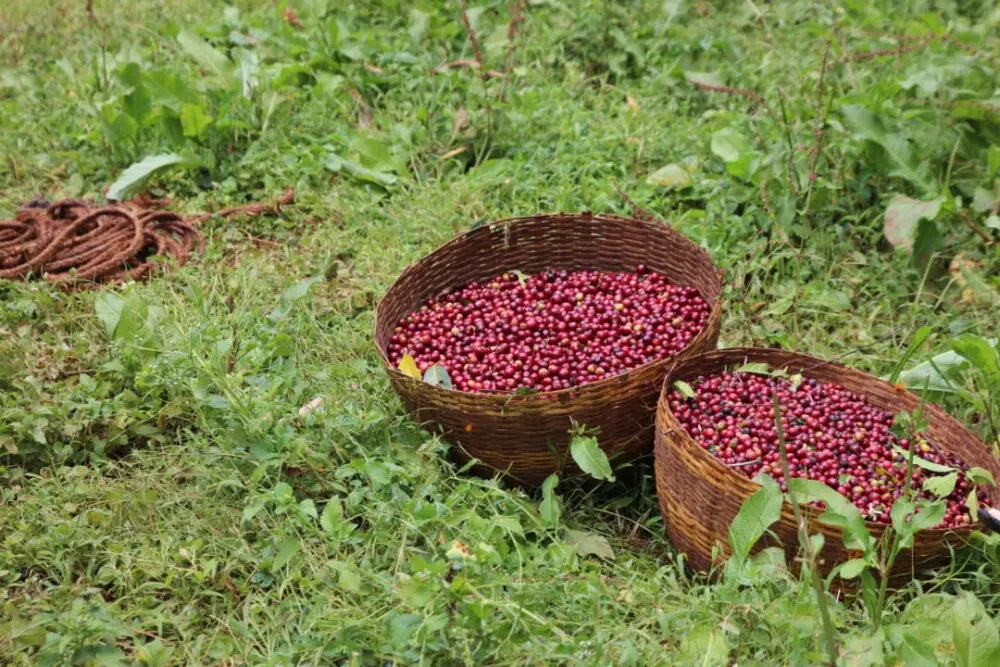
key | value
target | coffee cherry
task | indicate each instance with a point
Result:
(552, 330)
(832, 435)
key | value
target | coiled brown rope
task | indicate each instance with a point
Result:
(77, 242)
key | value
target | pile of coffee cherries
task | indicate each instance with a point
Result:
(832, 435)
(552, 330)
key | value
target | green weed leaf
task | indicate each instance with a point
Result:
(685, 389)
(941, 485)
(978, 476)
(550, 508)
(974, 632)
(588, 543)
(902, 216)
(437, 375)
(288, 548)
(756, 515)
(587, 454)
(852, 568)
(135, 176)
(213, 61)
(923, 463)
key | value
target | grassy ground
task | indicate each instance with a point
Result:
(164, 503)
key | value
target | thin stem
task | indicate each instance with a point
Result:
(810, 556)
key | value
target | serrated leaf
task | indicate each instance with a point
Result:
(941, 486)
(685, 389)
(840, 511)
(332, 517)
(756, 515)
(308, 507)
(437, 375)
(587, 543)
(978, 475)
(590, 458)
(408, 366)
(135, 176)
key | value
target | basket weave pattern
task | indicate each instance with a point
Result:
(699, 496)
(527, 435)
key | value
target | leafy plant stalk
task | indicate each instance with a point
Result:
(804, 539)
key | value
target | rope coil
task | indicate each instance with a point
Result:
(75, 241)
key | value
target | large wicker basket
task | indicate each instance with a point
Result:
(699, 496)
(526, 436)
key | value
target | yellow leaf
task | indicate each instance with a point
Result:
(633, 106)
(409, 366)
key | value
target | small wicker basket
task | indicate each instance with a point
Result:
(527, 436)
(699, 495)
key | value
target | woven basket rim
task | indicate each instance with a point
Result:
(756, 354)
(545, 396)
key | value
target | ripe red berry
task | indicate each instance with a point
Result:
(831, 435)
(552, 330)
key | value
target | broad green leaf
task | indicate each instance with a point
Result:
(685, 389)
(901, 510)
(928, 516)
(308, 507)
(419, 21)
(288, 548)
(194, 121)
(332, 517)
(941, 485)
(756, 515)
(109, 310)
(550, 507)
(972, 504)
(135, 176)
(704, 646)
(298, 290)
(337, 163)
(902, 216)
(757, 367)
(980, 353)
(588, 543)
(862, 651)
(870, 127)
(671, 176)
(437, 375)
(852, 568)
(729, 144)
(840, 512)
(587, 454)
(978, 475)
(974, 632)
(409, 366)
(213, 61)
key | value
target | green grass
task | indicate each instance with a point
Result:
(162, 500)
